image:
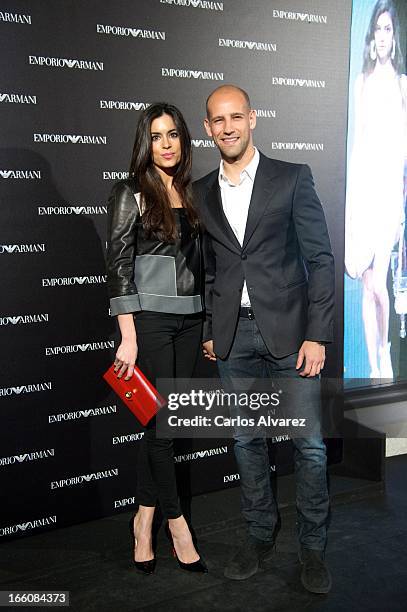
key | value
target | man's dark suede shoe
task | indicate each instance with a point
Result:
(246, 561)
(315, 575)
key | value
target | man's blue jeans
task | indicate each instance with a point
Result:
(249, 358)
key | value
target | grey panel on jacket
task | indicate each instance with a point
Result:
(187, 304)
(177, 304)
(124, 304)
(155, 274)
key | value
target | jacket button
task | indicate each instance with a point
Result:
(244, 256)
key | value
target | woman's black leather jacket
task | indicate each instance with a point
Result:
(144, 273)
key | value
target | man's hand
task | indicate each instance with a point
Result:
(207, 348)
(314, 355)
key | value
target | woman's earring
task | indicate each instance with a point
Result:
(393, 50)
(373, 53)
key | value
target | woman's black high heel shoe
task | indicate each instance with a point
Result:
(146, 567)
(195, 566)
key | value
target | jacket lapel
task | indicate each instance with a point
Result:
(221, 223)
(263, 189)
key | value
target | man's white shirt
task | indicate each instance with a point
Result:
(236, 202)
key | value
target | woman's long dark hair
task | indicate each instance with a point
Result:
(383, 6)
(158, 218)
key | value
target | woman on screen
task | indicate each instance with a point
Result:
(153, 275)
(375, 192)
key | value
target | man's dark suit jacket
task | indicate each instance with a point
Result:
(286, 260)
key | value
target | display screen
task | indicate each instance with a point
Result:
(375, 307)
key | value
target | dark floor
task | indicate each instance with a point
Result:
(367, 554)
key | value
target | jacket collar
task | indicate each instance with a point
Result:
(263, 189)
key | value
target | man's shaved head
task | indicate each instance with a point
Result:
(225, 89)
(230, 122)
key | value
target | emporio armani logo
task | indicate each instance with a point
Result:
(126, 31)
(24, 319)
(296, 16)
(79, 348)
(247, 44)
(298, 146)
(72, 210)
(75, 480)
(28, 525)
(201, 4)
(70, 138)
(294, 82)
(62, 62)
(22, 389)
(181, 73)
(20, 174)
(123, 105)
(201, 454)
(73, 280)
(82, 414)
(33, 456)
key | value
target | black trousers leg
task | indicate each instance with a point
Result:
(185, 360)
(168, 347)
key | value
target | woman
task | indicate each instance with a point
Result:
(375, 198)
(153, 265)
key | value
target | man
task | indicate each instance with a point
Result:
(269, 311)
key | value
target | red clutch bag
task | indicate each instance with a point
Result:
(139, 395)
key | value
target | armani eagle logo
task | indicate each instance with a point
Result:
(18, 390)
(23, 526)
(20, 458)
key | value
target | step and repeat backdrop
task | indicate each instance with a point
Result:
(74, 77)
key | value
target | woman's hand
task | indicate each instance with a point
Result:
(126, 356)
(207, 348)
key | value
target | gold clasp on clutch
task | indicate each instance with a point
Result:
(129, 394)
